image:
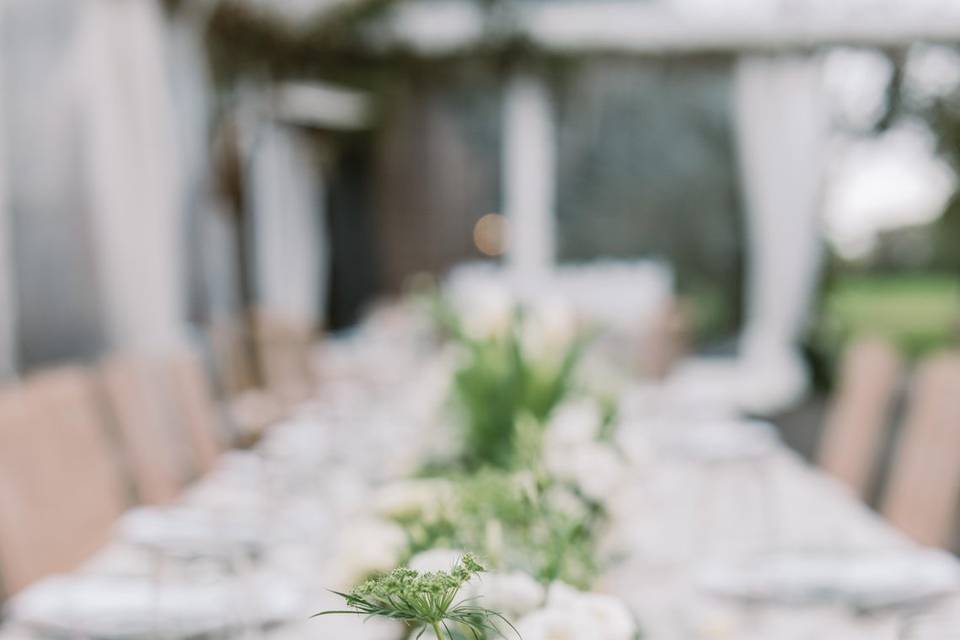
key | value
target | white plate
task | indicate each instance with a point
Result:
(124, 607)
(723, 440)
(190, 530)
(861, 580)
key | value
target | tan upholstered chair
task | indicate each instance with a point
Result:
(197, 409)
(155, 441)
(665, 341)
(60, 485)
(860, 412)
(924, 487)
(283, 350)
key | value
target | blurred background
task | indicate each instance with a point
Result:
(171, 169)
(242, 176)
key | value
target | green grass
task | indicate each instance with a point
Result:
(918, 313)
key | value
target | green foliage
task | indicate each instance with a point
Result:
(608, 423)
(919, 314)
(424, 601)
(510, 519)
(499, 384)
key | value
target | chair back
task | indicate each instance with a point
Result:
(61, 489)
(193, 395)
(860, 412)
(154, 440)
(283, 349)
(921, 497)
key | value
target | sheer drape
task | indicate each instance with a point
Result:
(8, 358)
(132, 159)
(780, 129)
(781, 126)
(287, 197)
(529, 158)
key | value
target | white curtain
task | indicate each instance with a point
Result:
(8, 308)
(132, 158)
(287, 195)
(529, 180)
(781, 130)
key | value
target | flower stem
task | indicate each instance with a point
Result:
(436, 630)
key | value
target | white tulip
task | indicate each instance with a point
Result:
(485, 309)
(549, 328)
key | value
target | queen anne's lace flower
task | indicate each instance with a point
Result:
(423, 600)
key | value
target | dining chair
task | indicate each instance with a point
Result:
(231, 347)
(665, 341)
(860, 412)
(283, 348)
(197, 408)
(921, 497)
(61, 489)
(24, 525)
(155, 441)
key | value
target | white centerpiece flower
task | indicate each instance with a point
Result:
(434, 560)
(574, 423)
(418, 498)
(514, 594)
(367, 547)
(549, 328)
(574, 615)
(572, 452)
(485, 309)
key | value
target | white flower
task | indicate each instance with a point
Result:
(556, 624)
(424, 498)
(560, 499)
(574, 423)
(435, 560)
(484, 307)
(512, 594)
(367, 547)
(598, 471)
(595, 468)
(608, 615)
(549, 327)
(575, 615)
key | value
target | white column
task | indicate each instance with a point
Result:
(781, 127)
(136, 193)
(289, 235)
(529, 178)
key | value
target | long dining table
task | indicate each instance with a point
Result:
(716, 530)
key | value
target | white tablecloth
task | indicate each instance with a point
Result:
(676, 513)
